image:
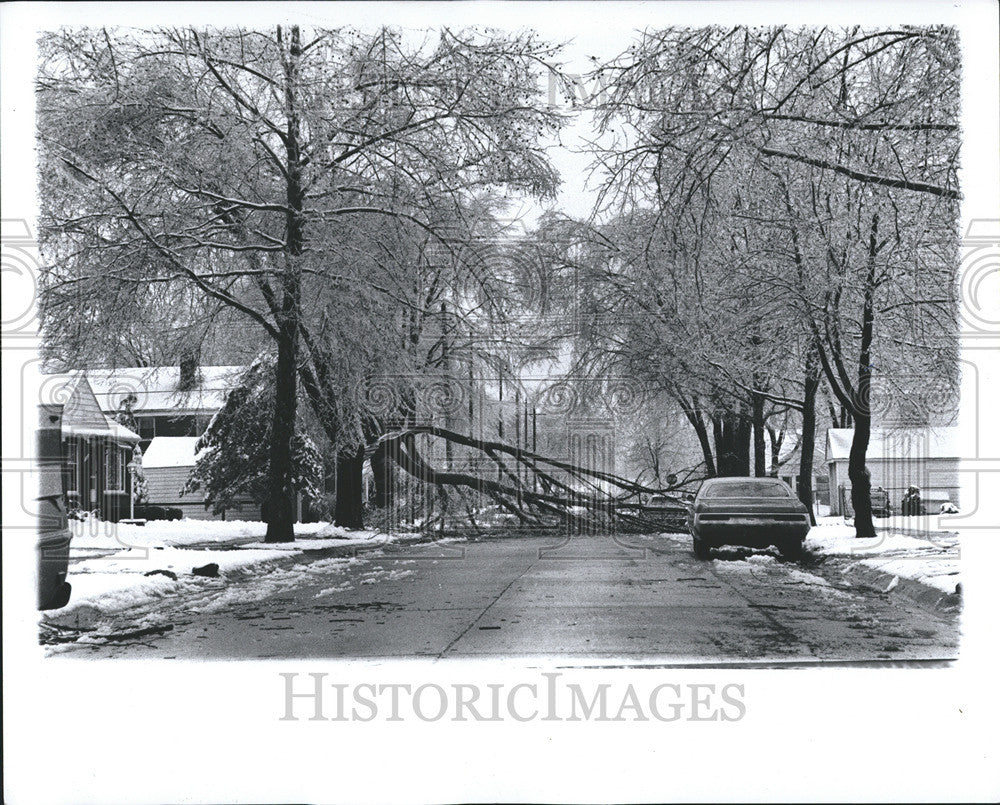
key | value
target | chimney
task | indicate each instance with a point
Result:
(189, 370)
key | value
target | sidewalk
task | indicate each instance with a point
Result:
(908, 557)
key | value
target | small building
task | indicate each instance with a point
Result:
(167, 463)
(96, 450)
(897, 459)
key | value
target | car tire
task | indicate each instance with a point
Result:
(59, 598)
(701, 548)
(791, 550)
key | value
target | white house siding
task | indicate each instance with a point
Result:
(898, 459)
(834, 486)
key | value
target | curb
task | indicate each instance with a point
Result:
(929, 534)
(924, 595)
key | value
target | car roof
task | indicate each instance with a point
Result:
(768, 481)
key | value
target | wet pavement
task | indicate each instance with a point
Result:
(632, 600)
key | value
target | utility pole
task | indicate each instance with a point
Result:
(517, 439)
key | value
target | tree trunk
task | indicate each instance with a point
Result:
(723, 445)
(732, 433)
(349, 509)
(741, 445)
(693, 414)
(706, 445)
(759, 450)
(281, 506)
(380, 469)
(808, 444)
(861, 483)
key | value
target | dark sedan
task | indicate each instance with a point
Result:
(755, 512)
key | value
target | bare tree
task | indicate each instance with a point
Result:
(236, 163)
(854, 229)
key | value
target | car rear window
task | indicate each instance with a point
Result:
(747, 489)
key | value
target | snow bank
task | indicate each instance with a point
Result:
(931, 560)
(119, 581)
(277, 580)
(93, 535)
(326, 536)
(109, 562)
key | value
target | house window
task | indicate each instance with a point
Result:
(114, 463)
(72, 466)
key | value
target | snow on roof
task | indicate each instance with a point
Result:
(155, 388)
(121, 433)
(170, 451)
(790, 444)
(896, 443)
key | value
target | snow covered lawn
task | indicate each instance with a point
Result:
(95, 535)
(932, 559)
(116, 567)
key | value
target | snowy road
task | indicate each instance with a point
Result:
(639, 599)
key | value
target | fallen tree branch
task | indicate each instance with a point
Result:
(512, 493)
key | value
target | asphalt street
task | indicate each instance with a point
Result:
(629, 599)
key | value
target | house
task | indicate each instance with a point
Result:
(897, 459)
(96, 450)
(165, 400)
(171, 406)
(167, 464)
(788, 465)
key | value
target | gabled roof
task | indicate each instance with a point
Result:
(81, 413)
(896, 443)
(157, 390)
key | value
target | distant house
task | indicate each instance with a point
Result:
(897, 459)
(789, 457)
(167, 463)
(96, 449)
(165, 400)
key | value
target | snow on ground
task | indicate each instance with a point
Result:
(96, 535)
(931, 559)
(116, 582)
(324, 537)
(273, 582)
(109, 562)
(762, 565)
